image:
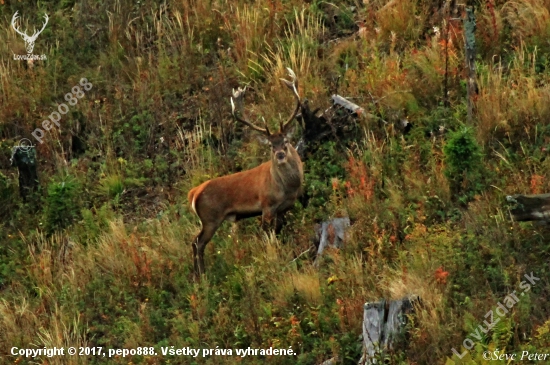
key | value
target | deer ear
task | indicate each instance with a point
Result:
(262, 139)
(289, 131)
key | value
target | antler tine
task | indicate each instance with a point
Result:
(292, 85)
(13, 20)
(238, 95)
(266, 127)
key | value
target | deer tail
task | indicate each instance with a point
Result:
(194, 195)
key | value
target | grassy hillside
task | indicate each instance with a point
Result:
(101, 256)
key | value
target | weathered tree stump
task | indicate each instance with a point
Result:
(332, 361)
(384, 327)
(530, 207)
(330, 234)
(24, 157)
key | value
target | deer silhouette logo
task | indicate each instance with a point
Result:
(29, 40)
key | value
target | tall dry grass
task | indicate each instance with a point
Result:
(512, 98)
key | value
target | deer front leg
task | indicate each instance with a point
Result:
(279, 221)
(267, 219)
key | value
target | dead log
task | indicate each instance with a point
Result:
(530, 207)
(354, 109)
(338, 122)
(318, 126)
(385, 327)
(401, 124)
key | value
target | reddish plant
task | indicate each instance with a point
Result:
(536, 183)
(360, 182)
(441, 275)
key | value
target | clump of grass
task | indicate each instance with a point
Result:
(112, 186)
(529, 21)
(511, 100)
(304, 283)
(400, 21)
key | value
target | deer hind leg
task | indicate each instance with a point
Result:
(199, 244)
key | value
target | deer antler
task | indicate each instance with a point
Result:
(13, 20)
(238, 96)
(292, 85)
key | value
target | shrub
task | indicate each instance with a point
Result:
(62, 206)
(463, 163)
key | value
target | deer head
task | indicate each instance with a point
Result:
(278, 141)
(29, 40)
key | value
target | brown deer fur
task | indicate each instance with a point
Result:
(268, 190)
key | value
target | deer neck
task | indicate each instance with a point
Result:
(290, 174)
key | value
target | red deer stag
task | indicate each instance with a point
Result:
(268, 190)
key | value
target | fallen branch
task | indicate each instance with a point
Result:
(530, 207)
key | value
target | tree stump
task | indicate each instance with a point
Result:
(384, 327)
(330, 234)
(332, 361)
(24, 157)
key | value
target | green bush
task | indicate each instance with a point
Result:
(324, 164)
(95, 221)
(463, 164)
(62, 204)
